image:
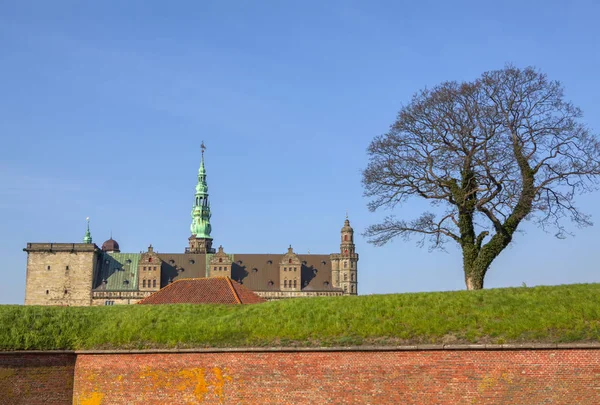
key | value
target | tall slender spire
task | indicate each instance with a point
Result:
(200, 241)
(88, 237)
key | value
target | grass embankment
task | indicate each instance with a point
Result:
(569, 313)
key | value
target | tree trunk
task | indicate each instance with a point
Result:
(474, 272)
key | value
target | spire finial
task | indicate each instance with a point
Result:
(203, 148)
(88, 237)
(346, 214)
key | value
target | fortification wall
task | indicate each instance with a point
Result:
(36, 378)
(341, 377)
(418, 375)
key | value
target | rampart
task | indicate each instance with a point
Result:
(451, 374)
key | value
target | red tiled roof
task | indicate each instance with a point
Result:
(216, 290)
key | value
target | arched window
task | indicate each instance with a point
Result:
(220, 260)
(352, 276)
(149, 260)
(285, 283)
(290, 261)
(345, 237)
(154, 283)
(294, 283)
(144, 283)
(352, 288)
(345, 277)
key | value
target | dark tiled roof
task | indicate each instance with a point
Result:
(256, 271)
(216, 290)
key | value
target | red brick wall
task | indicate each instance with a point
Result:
(31, 379)
(374, 377)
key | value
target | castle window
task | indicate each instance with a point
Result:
(48, 267)
(144, 283)
(295, 269)
(150, 260)
(345, 237)
(220, 267)
(346, 251)
(285, 283)
(67, 267)
(66, 292)
(215, 269)
(352, 277)
(345, 277)
(345, 288)
(154, 268)
(154, 283)
(352, 288)
(109, 303)
(345, 264)
(294, 283)
(290, 261)
(47, 292)
(220, 260)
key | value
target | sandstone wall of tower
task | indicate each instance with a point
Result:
(60, 274)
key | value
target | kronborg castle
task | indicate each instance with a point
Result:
(84, 274)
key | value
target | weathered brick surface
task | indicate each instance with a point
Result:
(30, 379)
(371, 377)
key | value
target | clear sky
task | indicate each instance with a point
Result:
(103, 106)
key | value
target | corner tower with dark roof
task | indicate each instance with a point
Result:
(200, 240)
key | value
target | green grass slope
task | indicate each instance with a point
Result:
(560, 314)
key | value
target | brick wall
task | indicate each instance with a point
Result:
(557, 376)
(31, 379)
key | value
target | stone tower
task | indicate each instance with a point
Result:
(344, 266)
(290, 270)
(200, 241)
(61, 273)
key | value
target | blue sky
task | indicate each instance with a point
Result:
(103, 106)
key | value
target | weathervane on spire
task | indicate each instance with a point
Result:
(203, 148)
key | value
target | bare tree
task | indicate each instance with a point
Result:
(488, 155)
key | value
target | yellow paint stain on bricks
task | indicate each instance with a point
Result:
(193, 384)
(94, 398)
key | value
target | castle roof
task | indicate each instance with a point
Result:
(216, 290)
(110, 245)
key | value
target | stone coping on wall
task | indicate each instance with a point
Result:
(448, 347)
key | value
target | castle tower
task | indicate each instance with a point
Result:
(61, 273)
(344, 266)
(200, 241)
(290, 270)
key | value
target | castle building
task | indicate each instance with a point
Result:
(84, 274)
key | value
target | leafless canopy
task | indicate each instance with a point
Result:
(488, 154)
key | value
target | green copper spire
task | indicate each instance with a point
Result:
(88, 237)
(201, 210)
